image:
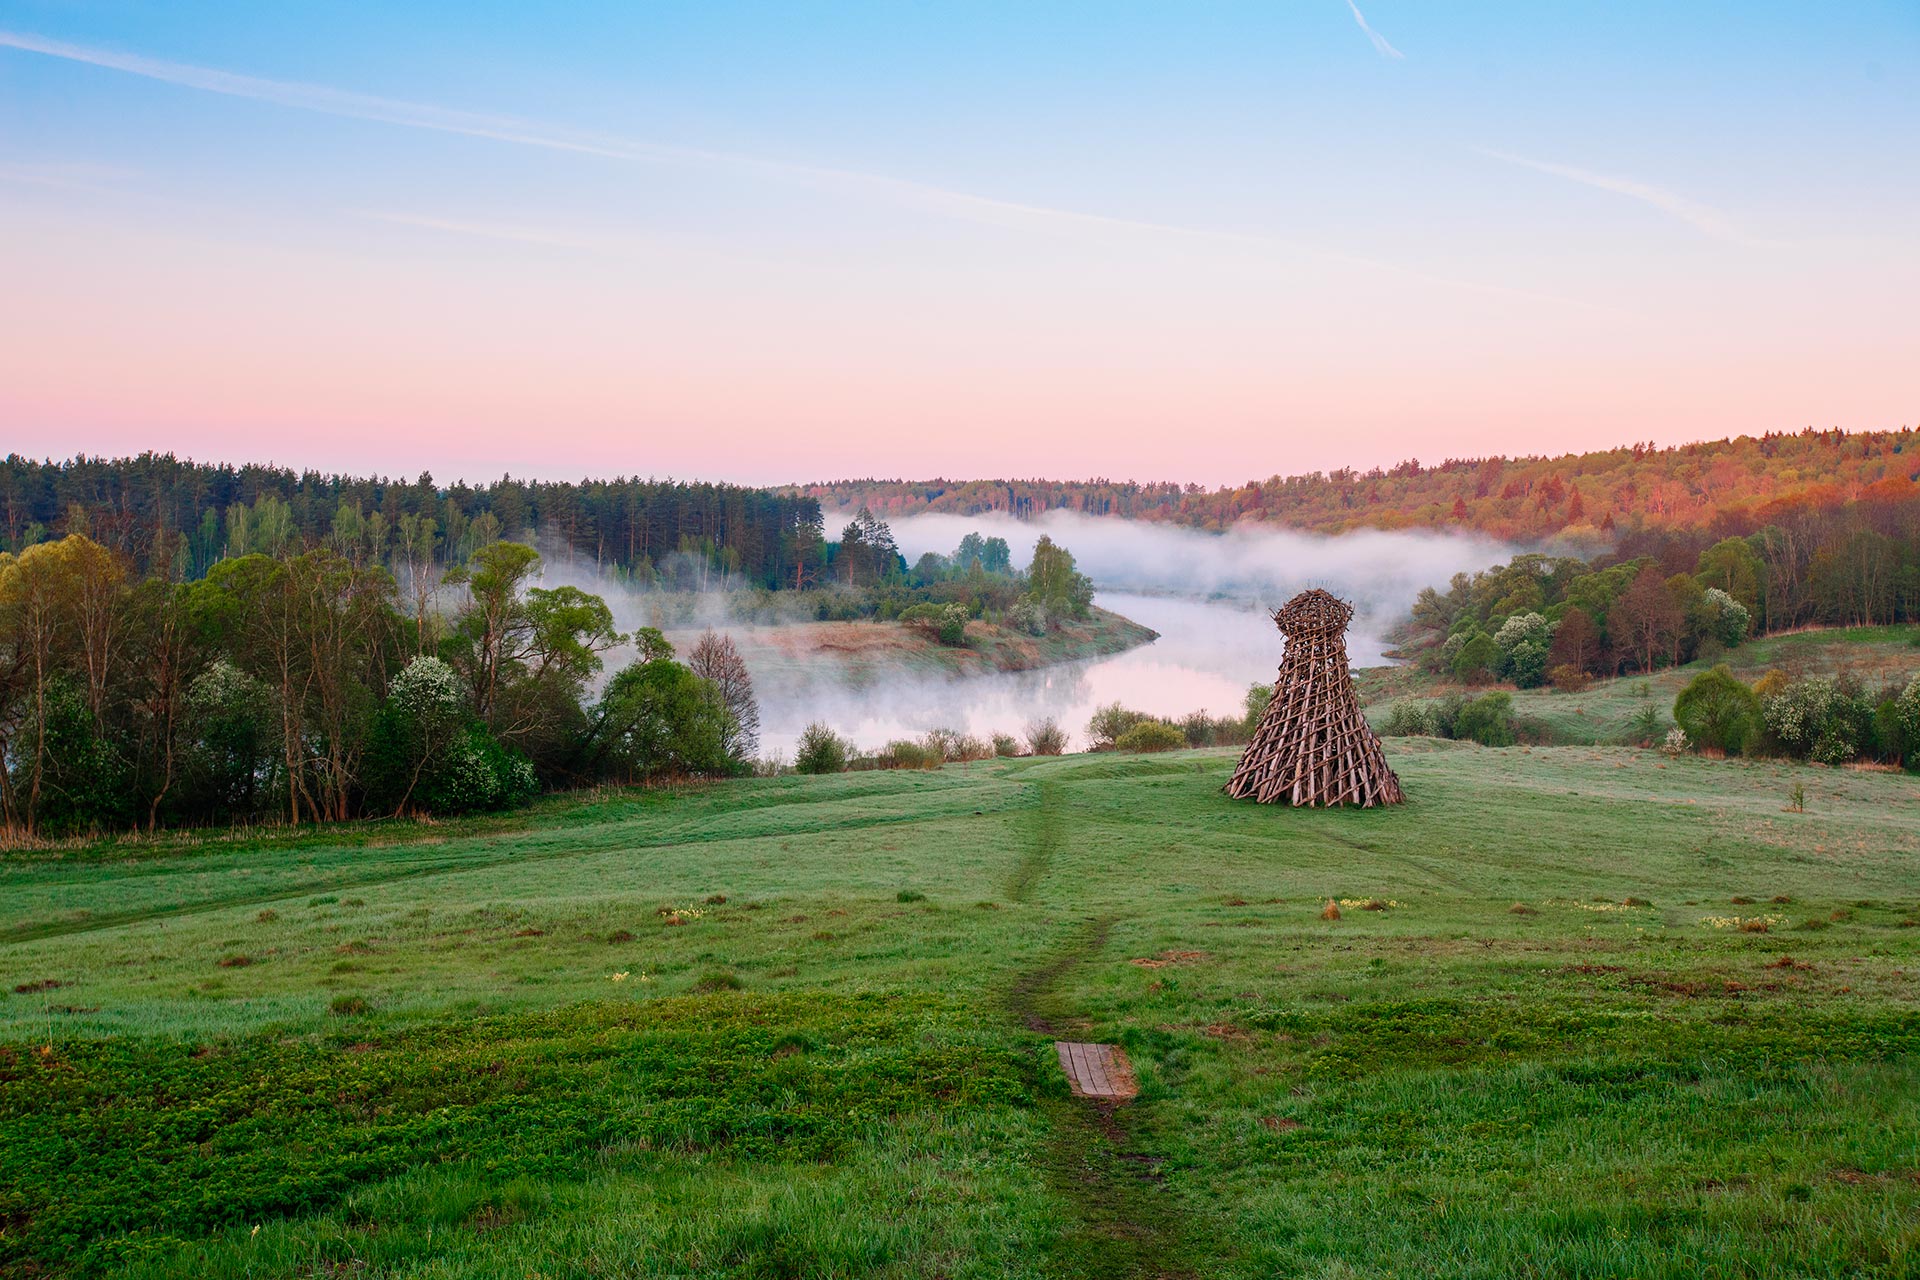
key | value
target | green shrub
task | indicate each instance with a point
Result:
(964, 747)
(946, 623)
(1717, 711)
(821, 750)
(1906, 712)
(904, 753)
(1109, 722)
(475, 774)
(1410, 719)
(1005, 745)
(1477, 660)
(1487, 720)
(1150, 735)
(1727, 620)
(1045, 737)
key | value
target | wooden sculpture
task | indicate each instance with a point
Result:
(1313, 747)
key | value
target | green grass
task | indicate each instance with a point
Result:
(792, 1027)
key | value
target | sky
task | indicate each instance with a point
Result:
(779, 243)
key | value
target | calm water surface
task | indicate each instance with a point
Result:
(1208, 652)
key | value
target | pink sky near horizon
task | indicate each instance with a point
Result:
(224, 276)
(257, 353)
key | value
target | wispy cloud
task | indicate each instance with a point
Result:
(508, 129)
(900, 192)
(1379, 41)
(1703, 218)
(341, 102)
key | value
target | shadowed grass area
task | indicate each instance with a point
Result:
(1584, 1011)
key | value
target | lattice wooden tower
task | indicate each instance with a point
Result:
(1313, 747)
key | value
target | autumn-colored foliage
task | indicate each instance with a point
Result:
(1716, 486)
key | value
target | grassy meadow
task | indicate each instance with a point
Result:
(1585, 1011)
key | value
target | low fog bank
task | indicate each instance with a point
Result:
(1209, 596)
(1378, 571)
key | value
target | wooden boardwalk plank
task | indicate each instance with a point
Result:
(1096, 1070)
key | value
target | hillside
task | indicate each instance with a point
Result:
(1605, 711)
(1578, 1003)
(1715, 486)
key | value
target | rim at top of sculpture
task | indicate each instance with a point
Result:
(1314, 612)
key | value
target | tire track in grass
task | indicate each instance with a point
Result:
(1123, 1224)
(1043, 841)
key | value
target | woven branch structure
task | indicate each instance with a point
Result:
(1313, 747)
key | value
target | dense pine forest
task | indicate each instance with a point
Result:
(178, 518)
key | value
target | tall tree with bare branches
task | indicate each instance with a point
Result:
(717, 660)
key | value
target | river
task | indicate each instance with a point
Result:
(1210, 597)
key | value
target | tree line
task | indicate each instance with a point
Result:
(300, 683)
(176, 519)
(1715, 488)
(1661, 601)
(866, 578)
(302, 687)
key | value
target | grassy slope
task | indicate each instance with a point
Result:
(1446, 1086)
(1605, 711)
(869, 651)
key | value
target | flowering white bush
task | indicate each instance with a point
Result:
(1524, 641)
(223, 687)
(1798, 715)
(1522, 627)
(1676, 743)
(1028, 615)
(428, 691)
(1731, 620)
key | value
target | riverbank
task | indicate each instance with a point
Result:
(860, 652)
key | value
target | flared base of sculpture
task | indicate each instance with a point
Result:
(1338, 774)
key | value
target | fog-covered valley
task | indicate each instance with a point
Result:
(1208, 595)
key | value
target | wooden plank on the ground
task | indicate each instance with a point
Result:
(1097, 1070)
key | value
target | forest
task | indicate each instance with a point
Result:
(176, 519)
(320, 682)
(1663, 599)
(1711, 489)
(1554, 620)
(303, 688)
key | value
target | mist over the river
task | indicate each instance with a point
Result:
(1210, 596)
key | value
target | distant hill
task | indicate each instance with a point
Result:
(1716, 487)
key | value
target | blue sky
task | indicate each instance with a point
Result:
(1199, 242)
